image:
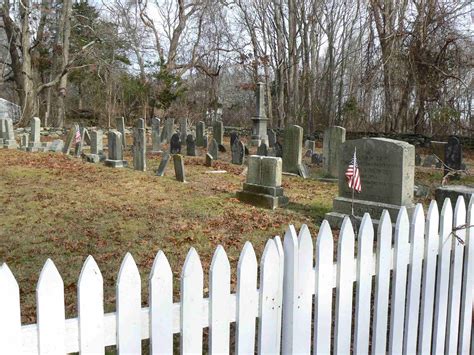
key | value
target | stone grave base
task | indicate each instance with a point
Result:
(10, 144)
(95, 158)
(115, 163)
(342, 208)
(263, 196)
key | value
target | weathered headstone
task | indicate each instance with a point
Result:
(190, 145)
(333, 138)
(213, 149)
(56, 146)
(262, 149)
(9, 140)
(97, 142)
(205, 141)
(263, 184)
(238, 152)
(163, 164)
(218, 131)
(387, 172)
(168, 130)
(70, 138)
(34, 141)
(233, 137)
(155, 135)
(221, 148)
(115, 150)
(311, 145)
(120, 123)
(453, 155)
(80, 145)
(200, 130)
(24, 141)
(175, 144)
(438, 149)
(178, 161)
(292, 149)
(183, 129)
(272, 138)
(139, 146)
(278, 150)
(209, 160)
(259, 129)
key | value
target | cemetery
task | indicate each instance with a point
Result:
(242, 178)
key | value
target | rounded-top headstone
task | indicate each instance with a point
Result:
(175, 144)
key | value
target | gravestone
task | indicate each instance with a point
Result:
(139, 146)
(205, 141)
(262, 149)
(209, 159)
(56, 146)
(175, 144)
(222, 148)
(190, 145)
(238, 152)
(120, 123)
(234, 136)
(183, 129)
(387, 173)
(155, 135)
(333, 138)
(24, 141)
(167, 130)
(34, 143)
(438, 149)
(200, 129)
(80, 145)
(453, 155)
(178, 161)
(115, 150)
(310, 145)
(218, 131)
(213, 149)
(278, 150)
(163, 164)
(292, 149)
(9, 141)
(317, 159)
(271, 138)
(263, 184)
(453, 192)
(259, 129)
(70, 138)
(97, 142)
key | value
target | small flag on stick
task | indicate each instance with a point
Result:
(77, 137)
(353, 175)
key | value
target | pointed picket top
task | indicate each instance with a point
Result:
(281, 254)
(128, 266)
(432, 218)
(385, 225)
(402, 225)
(219, 260)
(50, 310)
(347, 231)
(417, 231)
(270, 254)
(366, 226)
(161, 305)
(191, 263)
(247, 257)
(10, 320)
(446, 215)
(459, 212)
(324, 237)
(304, 238)
(91, 308)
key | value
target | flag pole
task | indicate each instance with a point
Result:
(352, 203)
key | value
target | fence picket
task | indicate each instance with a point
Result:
(279, 305)
(247, 301)
(467, 293)
(50, 310)
(219, 303)
(429, 279)
(364, 285)
(10, 319)
(400, 261)
(191, 304)
(268, 342)
(161, 306)
(290, 289)
(344, 289)
(129, 307)
(455, 279)
(414, 280)
(442, 277)
(305, 292)
(323, 290)
(382, 284)
(90, 293)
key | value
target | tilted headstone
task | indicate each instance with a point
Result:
(80, 145)
(70, 138)
(238, 152)
(115, 150)
(333, 138)
(163, 164)
(183, 129)
(139, 146)
(200, 130)
(209, 159)
(120, 123)
(178, 161)
(292, 149)
(259, 129)
(234, 136)
(175, 144)
(387, 174)
(262, 149)
(155, 135)
(453, 155)
(9, 140)
(218, 132)
(263, 183)
(213, 149)
(190, 145)
(34, 143)
(56, 146)
(272, 138)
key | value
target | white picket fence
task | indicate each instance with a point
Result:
(424, 306)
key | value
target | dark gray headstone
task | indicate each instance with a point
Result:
(222, 148)
(278, 149)
(200, 131)
(453, 155)
(292, 149)
(262, 149)
(271, 138)
(155, 135)
(213, 149)
(190, 145)
(218, 131)
(163, 165)
(175, 144)
(183, 129)
(233, 137)
(238, 152)
(178, 161)
(317, 159)
(120, 123)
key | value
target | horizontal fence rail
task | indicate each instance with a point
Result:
(413, 295)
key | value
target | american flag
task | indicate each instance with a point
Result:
(77, 137)
(353, 174)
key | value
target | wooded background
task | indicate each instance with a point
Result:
(375, 65)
